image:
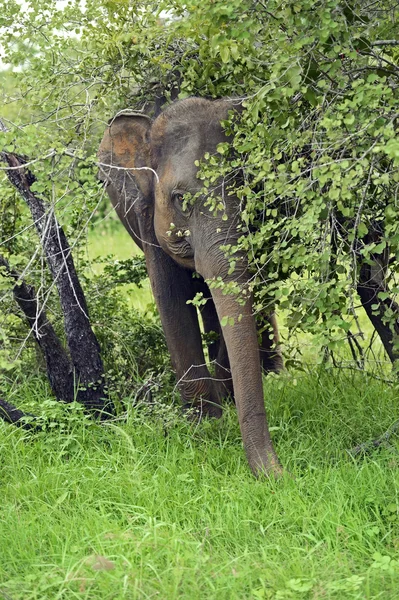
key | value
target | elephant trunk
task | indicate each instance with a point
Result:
(242, 346)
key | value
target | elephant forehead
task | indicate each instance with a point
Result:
(179, 170)
(174, 139)
(175, 164)
(186, 136)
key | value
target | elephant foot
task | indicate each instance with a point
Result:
(266, 464)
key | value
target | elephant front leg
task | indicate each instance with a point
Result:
(198, 389)
(172, 288)
(269, 348)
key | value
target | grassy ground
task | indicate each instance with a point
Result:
(156, 507)
(160, 508)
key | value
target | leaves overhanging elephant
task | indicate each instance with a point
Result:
(149, 167)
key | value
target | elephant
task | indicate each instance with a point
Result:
(148, 167)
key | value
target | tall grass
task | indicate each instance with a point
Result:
(160, 507)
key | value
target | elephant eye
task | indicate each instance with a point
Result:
(178, 197)
(181, 202)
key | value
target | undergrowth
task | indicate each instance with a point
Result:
(153, 506)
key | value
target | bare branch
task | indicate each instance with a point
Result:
(385, 43)
(31, 162)
(367, 447)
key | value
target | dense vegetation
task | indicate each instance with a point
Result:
(149, 505)
(317, 144)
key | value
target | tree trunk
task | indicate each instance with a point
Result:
(58, 366)
(370, 284)
(83, 346)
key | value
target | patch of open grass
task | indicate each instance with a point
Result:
(157, 507)
(112, 239)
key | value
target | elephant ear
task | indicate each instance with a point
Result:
(124, 154)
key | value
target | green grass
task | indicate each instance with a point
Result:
(112, 239)
(156, 507)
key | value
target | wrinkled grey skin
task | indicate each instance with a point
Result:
(147, 167)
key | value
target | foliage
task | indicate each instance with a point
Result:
(132, 341)
(316, 145)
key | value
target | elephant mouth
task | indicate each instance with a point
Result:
(181, 251)
(181, 248)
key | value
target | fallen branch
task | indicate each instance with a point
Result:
(367, 447)
(11, 414)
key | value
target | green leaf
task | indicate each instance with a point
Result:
(224, 53)
(350, 119)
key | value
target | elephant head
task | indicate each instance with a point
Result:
(154, 165)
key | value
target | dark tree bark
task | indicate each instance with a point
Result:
(370, 283)
(58, 366)
(84, 350)
(13, 415)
